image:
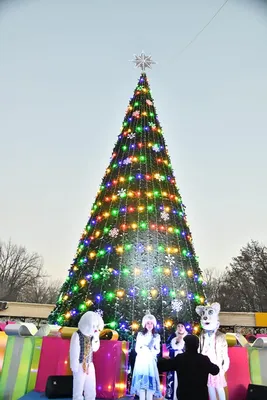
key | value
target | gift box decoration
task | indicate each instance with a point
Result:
(21, 359)
(3, 341)
(258, 365)
(111, 366)
(54, 358)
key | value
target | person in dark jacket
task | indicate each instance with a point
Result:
(192, 371)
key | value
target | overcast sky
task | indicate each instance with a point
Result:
(65, 82)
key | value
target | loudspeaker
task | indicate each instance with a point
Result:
(59, 387)
(256, 392)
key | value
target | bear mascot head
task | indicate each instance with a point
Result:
(209, 316)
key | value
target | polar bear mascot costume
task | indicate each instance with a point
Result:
(82, 345)
(213, 344)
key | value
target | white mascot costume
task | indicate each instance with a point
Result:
(82, 345)
(213, 344)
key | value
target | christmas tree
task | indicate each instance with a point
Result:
(136, 253)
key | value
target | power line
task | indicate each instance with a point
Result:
(199, 33)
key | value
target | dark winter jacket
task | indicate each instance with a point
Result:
(192, 371)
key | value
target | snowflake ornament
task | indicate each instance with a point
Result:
(127, 161)
(176, 305)
(164, 215)
(105, 272)
(152, 125)
(131, 135)
(149, 102)
(156, 148)
(136, 114)
(122, 192)
(170, 259)
(114, 232)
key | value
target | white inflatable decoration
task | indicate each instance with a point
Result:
(214, 345)
(82, 345)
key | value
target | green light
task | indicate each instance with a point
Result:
(106, 230)
(136, 104)
(101, 252)
(143, 225)
(139, 128)
(143, 292)
(110, 296)
(156, 193)
(150, 208)
(184, 252)
(128, 247)
(96, 275)
(151, 114)
(125, 123)
(176, 230)
(182, 273)
(125, 271)
(114, 212)
(142, 158)
(172, 293)
(124, 147)
(75, 288)
(161, 248)
(82, 307)
(159, 270)
(114, 166)
(130, 178)
(113, 324)
(60, 319)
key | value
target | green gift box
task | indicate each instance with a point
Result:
(258, 365)
(21, 359)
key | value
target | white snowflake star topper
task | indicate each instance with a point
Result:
(142, 61)
(122, 192)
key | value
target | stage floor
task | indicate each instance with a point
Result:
(41, 396)
(37, 396)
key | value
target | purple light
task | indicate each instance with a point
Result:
(115, 272)
(88, 277)
(108, 184)
(129, 119)
(183, 233)
(146, 128)
(93, 222)
(109, 248)
(123, 209)
(133, 146)
(120, 162)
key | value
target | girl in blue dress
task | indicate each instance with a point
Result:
(145, 381)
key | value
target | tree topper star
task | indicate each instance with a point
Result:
(143, 61)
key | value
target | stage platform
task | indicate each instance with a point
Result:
(38, 396)
(41, 396)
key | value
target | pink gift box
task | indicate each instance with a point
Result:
(111, 362)
(238, 375)
(54, 360)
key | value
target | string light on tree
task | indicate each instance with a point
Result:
(136, 251)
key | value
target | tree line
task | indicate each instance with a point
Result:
(242, 287)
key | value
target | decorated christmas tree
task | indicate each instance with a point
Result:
(136, 252)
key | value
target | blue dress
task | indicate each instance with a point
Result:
(145, 374)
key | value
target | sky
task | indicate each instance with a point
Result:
(65, 83)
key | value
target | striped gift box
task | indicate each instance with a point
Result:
(258, 365)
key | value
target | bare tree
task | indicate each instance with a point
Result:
(18, 269)
(43, 291)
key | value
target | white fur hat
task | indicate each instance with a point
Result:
(149, 317)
